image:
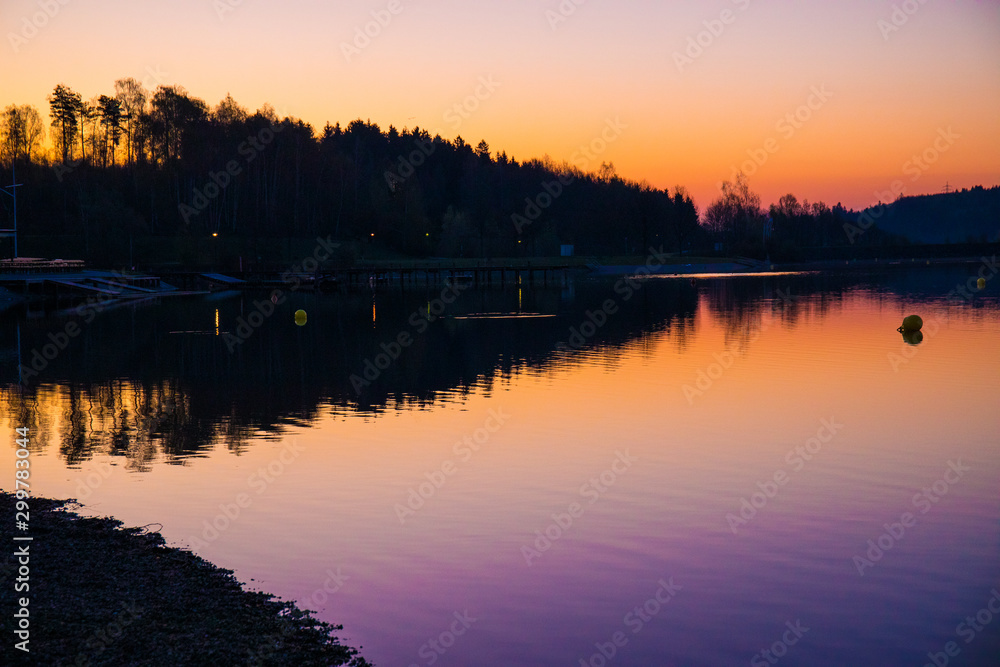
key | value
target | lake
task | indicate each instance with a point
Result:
(601, 471)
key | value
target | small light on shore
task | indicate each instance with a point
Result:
(215, 233)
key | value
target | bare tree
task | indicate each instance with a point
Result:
(132, 97)
(737, 213)
(10, 133)
(21, 133)
(606, 173)
(34, 130)
(229, 113)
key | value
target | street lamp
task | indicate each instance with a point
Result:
(9, 190)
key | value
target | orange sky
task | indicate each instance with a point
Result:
(889, 88)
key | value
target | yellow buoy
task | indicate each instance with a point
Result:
(981, 283)
(912, 323)
(300, 318)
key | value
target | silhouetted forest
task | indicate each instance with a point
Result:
(144, 177)
(966, 216)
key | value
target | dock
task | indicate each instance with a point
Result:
(381, 276)
(70, 279)
(32, 277)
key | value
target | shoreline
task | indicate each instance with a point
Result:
(104, 594)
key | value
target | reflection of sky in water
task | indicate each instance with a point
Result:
(721, 392)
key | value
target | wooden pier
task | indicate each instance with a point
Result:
(499, 275)
(375, 277)
(68, 279)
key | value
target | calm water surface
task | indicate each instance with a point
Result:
(690, 475)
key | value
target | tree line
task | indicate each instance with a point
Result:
(789, 229)
(136, 163)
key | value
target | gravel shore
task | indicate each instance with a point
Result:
(102, 594)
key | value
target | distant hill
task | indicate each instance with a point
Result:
(958, 217)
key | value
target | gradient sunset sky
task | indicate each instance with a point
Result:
(894, 84)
